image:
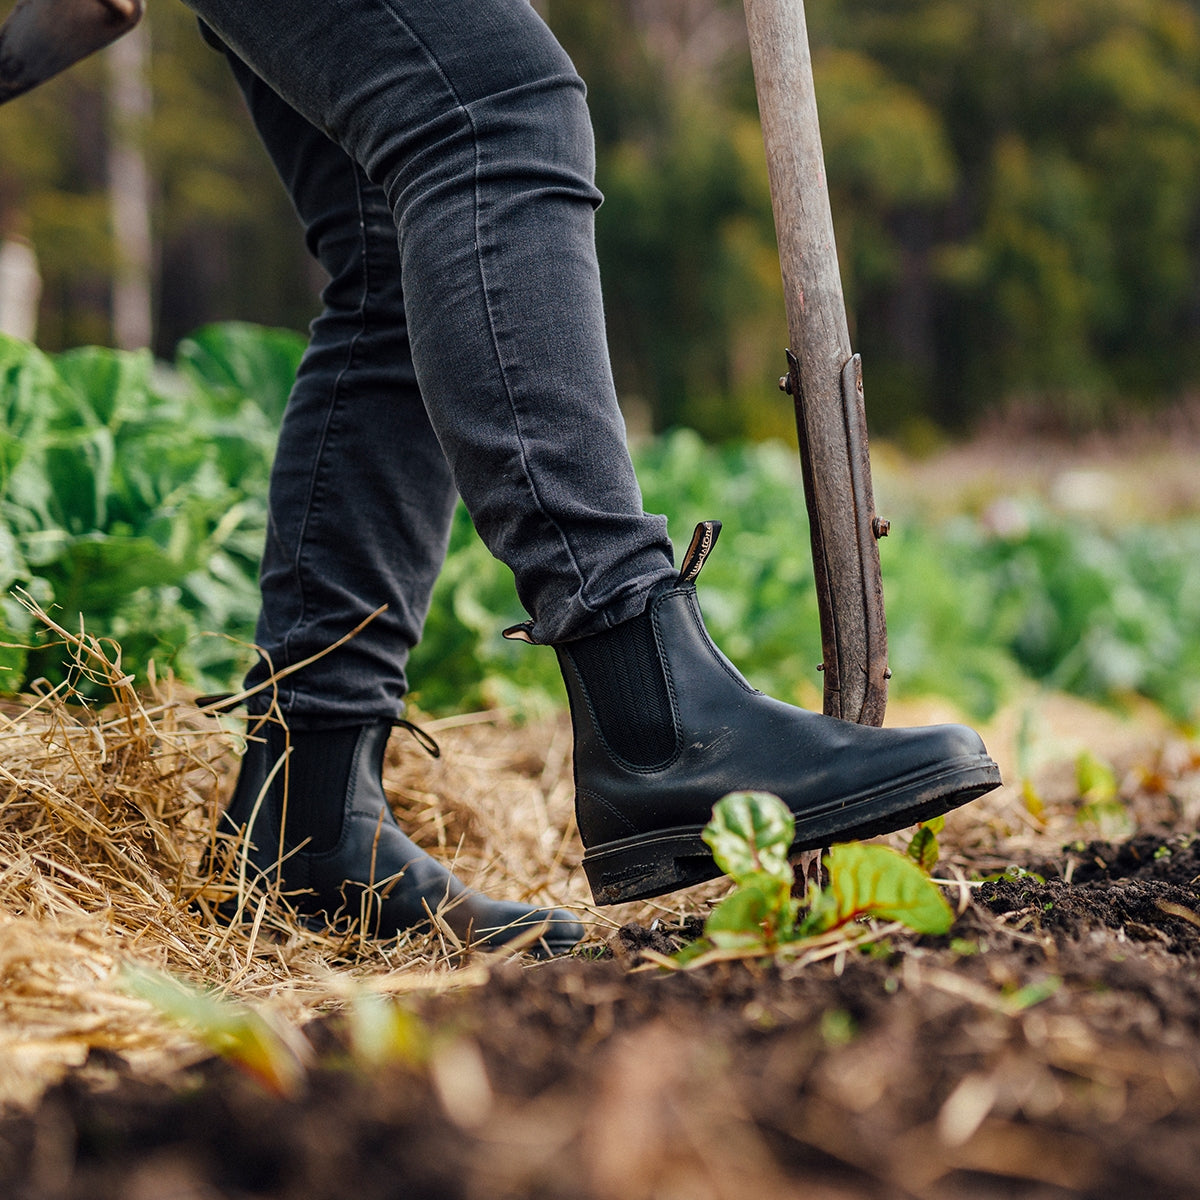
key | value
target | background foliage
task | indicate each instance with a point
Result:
(1016, 186)
(132, 494)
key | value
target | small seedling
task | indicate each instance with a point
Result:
(236, 1032)
(924, 849)
(1012, 873)
(1032, 798)
(1095, 779)
(838, 1027)
(1035, 806)
(750, 835)
(1032, 994)
(1099, 797)
(382, 1032)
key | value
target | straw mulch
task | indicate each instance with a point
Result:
(107, 815)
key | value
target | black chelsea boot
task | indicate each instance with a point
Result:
(321, 831)
(665, 725)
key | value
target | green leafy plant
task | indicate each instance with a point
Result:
(236, 1032)
(972, 614)
(379, 1031)
(923, 849)
(1100, 801)
(750, 835)
(867, 880)
(382, 1032)
(133, 496)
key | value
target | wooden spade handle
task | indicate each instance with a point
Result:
(825, 376)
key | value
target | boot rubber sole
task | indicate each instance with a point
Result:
(556, 935)
(651, 864)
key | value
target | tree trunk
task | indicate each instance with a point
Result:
(129, 189)
(20, 289)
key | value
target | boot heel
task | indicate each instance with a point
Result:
(640, 867)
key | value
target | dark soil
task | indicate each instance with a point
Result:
(1145, 890)
(1052, 1048)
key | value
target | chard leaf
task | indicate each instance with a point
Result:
(876, 881)
(244, 360)
(108, 385)
(751, 833)
(760, 912)
(923, 849)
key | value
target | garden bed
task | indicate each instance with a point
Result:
(1049, 1046)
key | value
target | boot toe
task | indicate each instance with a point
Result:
(958, 741)
(493, 924)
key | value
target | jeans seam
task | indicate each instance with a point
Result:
(464, 108)
(485, 290)
(335, 398)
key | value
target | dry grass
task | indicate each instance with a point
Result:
(108, 815)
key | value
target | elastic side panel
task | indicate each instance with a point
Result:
(625, 682)
(317, 774)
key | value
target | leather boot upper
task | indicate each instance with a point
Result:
(716, 734)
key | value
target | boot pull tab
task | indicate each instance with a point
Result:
(703, 540)
(424, 740)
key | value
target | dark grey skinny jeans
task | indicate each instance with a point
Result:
(440, 157)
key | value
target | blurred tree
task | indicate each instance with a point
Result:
(130, 107)
(1015, 185)
(1066, 259)
(685, 237)
(891, 172)
(232, 248)
(224, 241)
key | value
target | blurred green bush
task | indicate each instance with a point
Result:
(132, 497)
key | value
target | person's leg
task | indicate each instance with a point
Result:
(473, 122)
(360, 506)
(477, 132)
(361, 497)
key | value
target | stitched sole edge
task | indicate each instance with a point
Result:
(648, 865)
